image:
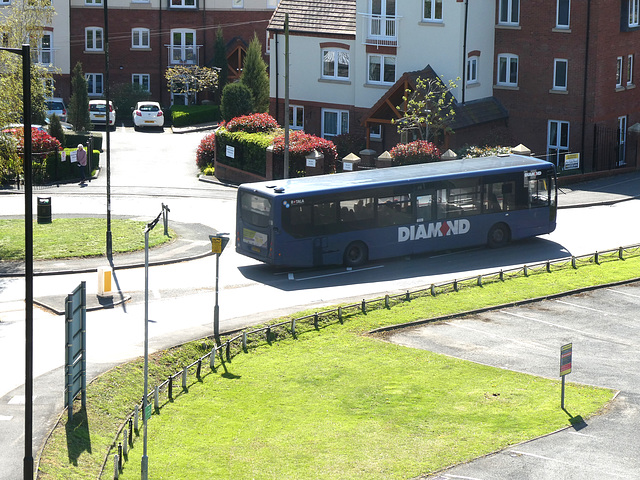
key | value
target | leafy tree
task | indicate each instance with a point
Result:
(126, 95)
(254, 76)
(191, 79)
(428, 108)
(10, 161)
(220, 62)
(236, 101)
(23, 22)
(79, 103)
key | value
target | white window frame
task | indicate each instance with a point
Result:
(634, 13)
(382, 69)
(558, 148)
(619, 70)
(296, 112)
(92, 81)
(91, 33)
(563, 4)
(506, 15)
(182, 4)
(139, 79)
(237, 3)
(338, 54)
(433, 15)
(5, 2)
(342, 122)
(93, 2)
(45, 55)
(472, 69)
(184, 48)
(630, 58)
(556, 64)
(138, 42)
(375, 131)
(507, 58)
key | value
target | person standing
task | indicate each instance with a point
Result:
(81, 156)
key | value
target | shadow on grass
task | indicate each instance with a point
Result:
(78, 438)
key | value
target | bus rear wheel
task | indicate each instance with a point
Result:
(355, 254)
(499, 236)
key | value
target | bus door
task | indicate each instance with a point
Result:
(425, 208)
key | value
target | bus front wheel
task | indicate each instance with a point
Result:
(499, 236)
(355, 254)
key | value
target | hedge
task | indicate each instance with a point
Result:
(249, 148)
(185, 115)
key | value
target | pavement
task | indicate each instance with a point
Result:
(191, 243)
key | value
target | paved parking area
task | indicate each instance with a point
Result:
(604, 327)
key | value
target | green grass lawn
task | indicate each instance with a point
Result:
(76, 237)
(336, 403)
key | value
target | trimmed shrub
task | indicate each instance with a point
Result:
(302, 144)
(205, 153)
(347, 143)
(258, 122)
(10, 162)
(236, 101)
(250, 150)
(419, 151)
(185, 115)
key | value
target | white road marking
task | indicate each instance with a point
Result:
(583, 307)
(337, 273)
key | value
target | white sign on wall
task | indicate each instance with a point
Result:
(230, 151)
(571, 161)
(311, 162)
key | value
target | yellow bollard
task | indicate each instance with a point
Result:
(104, 281)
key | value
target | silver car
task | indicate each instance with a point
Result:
(57, 106)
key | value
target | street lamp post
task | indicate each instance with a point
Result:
(107, 127)
(28, 257)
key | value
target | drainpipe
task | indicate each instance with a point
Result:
(277, 93)
(464, 50)
(160, 75)
(584, 87)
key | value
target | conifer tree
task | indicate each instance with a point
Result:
(254, 76)
(79, 103)
(220, 62)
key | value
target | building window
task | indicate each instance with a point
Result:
(142, 80)
(382, 18)
(93, 39)
(5, 2)
(45, 52)
(335, 64)
(183, 4)
(509, 13)
(622, 140)
(630, 70)
(560, 67)
(93, 2)
(432, 11)
(296, 117)
(562, 17)
(382, 69)
(94, 83)
(140, 38)
(472, 69)
(557, 141)
(183, 46)
(375, 131)
(619, 73)
(238, 4)
(634, 13)
(334, 122)
(508, 70)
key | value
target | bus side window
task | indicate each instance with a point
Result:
(424, 207)
(394, 210)
(324, 214)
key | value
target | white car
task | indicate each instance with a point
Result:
(57, 106)
(148, 114)
(98, 112)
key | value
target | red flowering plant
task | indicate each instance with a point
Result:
(255, 123)
(206, 151)
(302, 144)
(419, 151)
(41, 142)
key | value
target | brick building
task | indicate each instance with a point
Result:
(565, 72)
(147, 36)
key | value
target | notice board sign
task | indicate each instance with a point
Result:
(565, 359)
(571, 161)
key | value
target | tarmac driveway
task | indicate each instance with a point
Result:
(604, 327)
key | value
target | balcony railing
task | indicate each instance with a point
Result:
(381, 30)
(184, 54)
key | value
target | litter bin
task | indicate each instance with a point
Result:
(44, 209)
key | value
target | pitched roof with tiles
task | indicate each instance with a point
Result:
(333, 17)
